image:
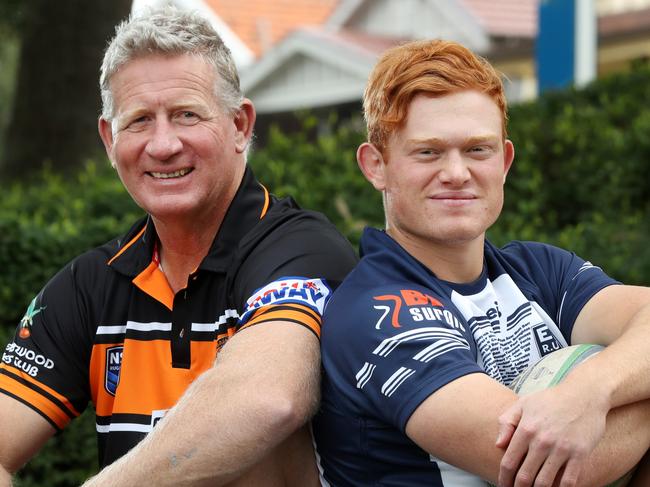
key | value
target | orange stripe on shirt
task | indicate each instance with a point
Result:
(293, 306)
(64, 400)
(131, 242)
(266, 201)
(298, 313)
(45, 406)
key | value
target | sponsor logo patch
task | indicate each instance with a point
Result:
(310, 292)
(421, 308)
(113, 367)
(27, 320)
(545, 340)
(26, 359)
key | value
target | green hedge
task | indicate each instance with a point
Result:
(48, 221)
(581, 180)
(581, 177)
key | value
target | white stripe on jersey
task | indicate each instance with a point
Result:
(111, 330)
(396, 380)
(438, 348)
(133, 325)
(229, 313)
(364, 375)
(129, 427)
(425, 333)
(156, 326)
(152, 326)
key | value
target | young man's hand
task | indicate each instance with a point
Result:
(549, 432)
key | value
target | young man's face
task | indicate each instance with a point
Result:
(443, 172)
(177, 151)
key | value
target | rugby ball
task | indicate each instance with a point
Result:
(551, 370)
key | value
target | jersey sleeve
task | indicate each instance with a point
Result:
(45, 365)
(566, 281)
(291, 273)
(387, 350)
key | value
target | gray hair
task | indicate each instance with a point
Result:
(169, 31)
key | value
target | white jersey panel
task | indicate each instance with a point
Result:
(510, 331)
(456, 477)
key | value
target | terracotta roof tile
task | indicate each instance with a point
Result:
(627, 23)
(262, 23)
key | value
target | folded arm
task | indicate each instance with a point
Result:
(264, 386)
(458, 424)
(566, 423)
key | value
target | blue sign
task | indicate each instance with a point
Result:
(555, 48)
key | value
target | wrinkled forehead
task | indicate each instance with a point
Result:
(151, 81)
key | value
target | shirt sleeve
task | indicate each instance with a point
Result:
(567, 282)
(389, 349)
(292, 271)
(45, 366)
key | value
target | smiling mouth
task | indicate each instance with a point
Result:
(171, 175)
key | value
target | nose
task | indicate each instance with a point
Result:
(455, 170)
(164, 142)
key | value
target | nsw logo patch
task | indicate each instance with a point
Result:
(113, 367)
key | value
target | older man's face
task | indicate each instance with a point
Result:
(175, 149)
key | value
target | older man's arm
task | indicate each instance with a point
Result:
(263, 386)
(22, 433)
(641, 476)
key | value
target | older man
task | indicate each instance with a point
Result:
(131, 324)
(421, 340)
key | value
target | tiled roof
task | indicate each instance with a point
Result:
(505, 18)
(262, 23)
(626, 23)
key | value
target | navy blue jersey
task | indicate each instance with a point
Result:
(393, 334)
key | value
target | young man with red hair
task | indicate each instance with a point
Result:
(423, 337)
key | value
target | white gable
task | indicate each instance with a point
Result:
(306, 70)
(304, 82)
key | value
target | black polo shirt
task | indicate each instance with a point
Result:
(108, 328)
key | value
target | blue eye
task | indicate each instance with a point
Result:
(137, 123)
(187, 117)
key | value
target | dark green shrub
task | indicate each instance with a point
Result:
(46, 223)
(321, 173)
(43, 225)
(581, 177)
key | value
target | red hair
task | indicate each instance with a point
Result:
(432, 67)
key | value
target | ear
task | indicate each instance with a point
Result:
(244, 122)
(372, 165)
(106, 134)
(508, 157)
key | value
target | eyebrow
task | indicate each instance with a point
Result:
(474, 140)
